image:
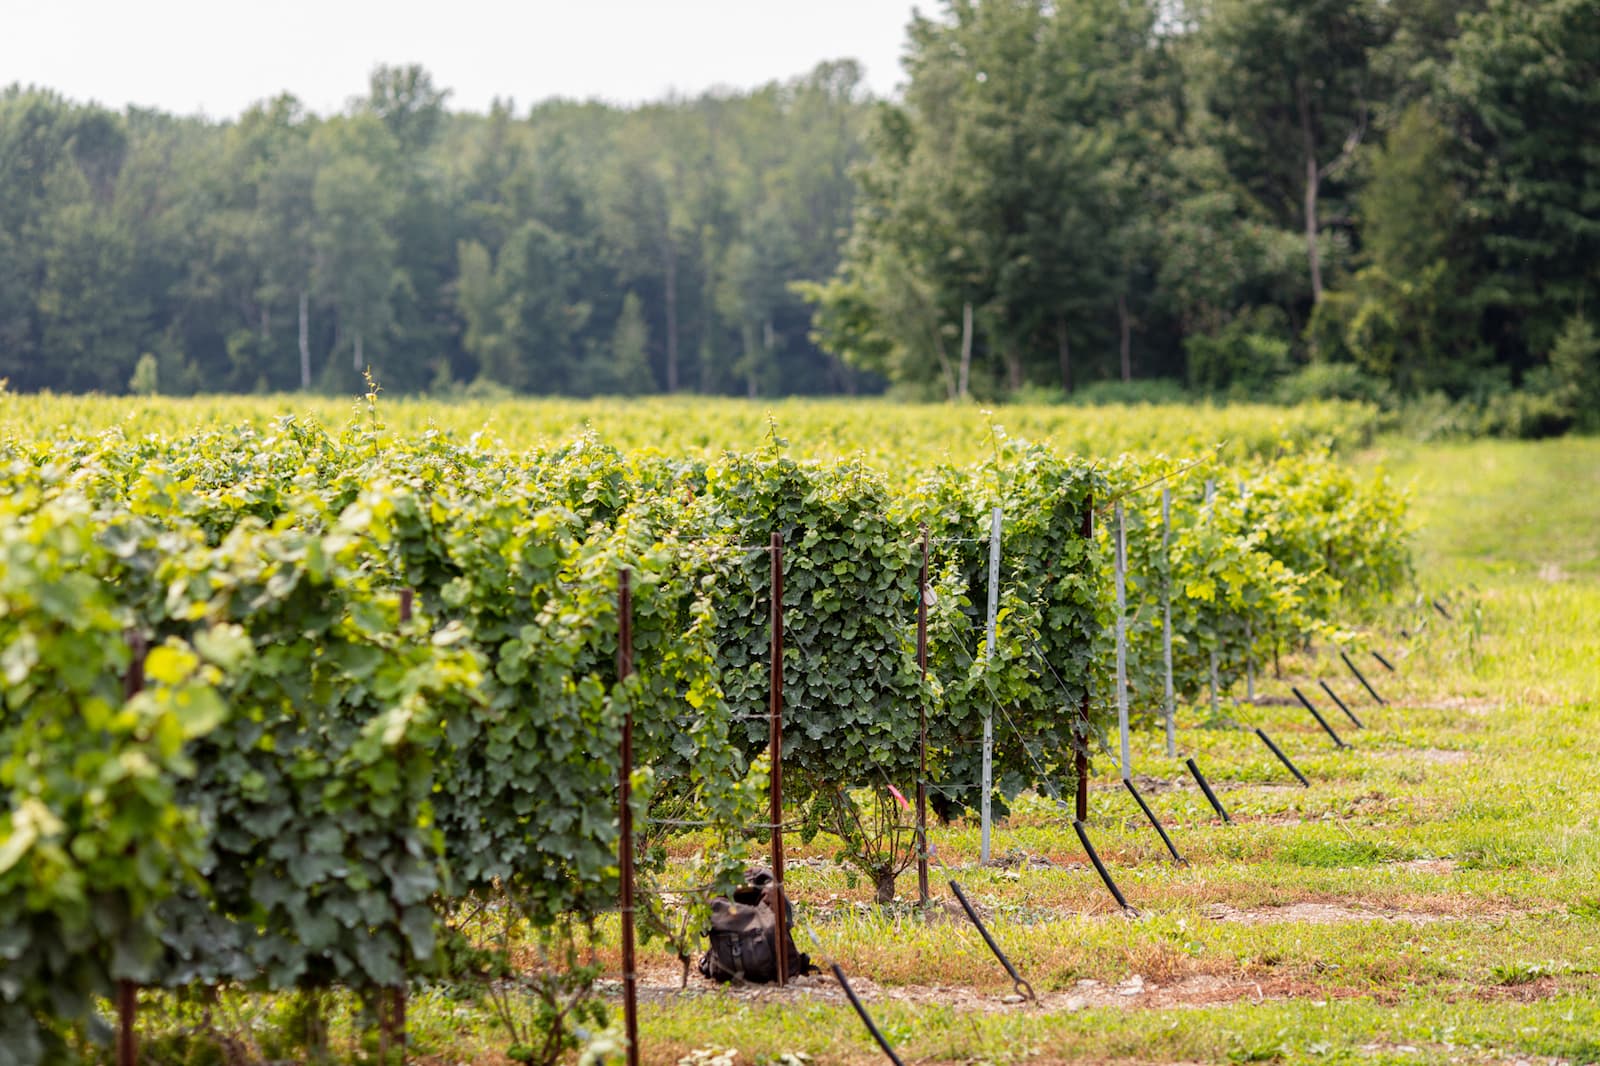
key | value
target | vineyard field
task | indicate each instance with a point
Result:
(309, 714)
(891, 436)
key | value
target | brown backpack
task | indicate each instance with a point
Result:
(744, 934)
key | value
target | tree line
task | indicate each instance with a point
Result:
(1372, 198)
(1390, 197)
(575, 248)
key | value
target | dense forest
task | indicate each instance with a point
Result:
(1383, 198)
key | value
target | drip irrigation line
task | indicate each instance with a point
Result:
(995, 702)
(1076, 744)
(1168, 476)
(698, 823)
(678, 890)
(1105, 745)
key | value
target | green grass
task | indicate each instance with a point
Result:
(1454, 854)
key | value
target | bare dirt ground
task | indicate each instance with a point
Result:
(1135, 992)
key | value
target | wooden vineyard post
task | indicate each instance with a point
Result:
(775, 743)
(922, 724)
(1168, 706)
(986, 817)
(1081, 753)
(630, 992)
(1120, 568)
(127, 991)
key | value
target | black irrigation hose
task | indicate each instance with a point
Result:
(1362, 678)
(1160, 829)
(1282, 757)
(1323, 722)
(1205, 786)
(1437, 606)
(1348, 713)
(1100, 867)
(1022, 986)
(1387, 665)
(861, 1011)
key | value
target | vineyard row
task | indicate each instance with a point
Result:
(311, 782)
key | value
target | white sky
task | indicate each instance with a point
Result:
(216, 57)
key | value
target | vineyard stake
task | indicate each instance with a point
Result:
(127, 991)
(127, 1009)
(1211, 494)
(1168, 706)
(922, 724)
(1205, 786)
(397, 995)
(630, 991)
(988, 714)
(861, 1012)
(1348, 713)
(1293, 769)
(1362, 678)
(1213, 684)
(1437, 606)
(1249, 662)
(775, 742)
(1080, 759)
(1323, 722)
(1022, 987)
(1150, 814)
(1249, 634)
(1120, 572)
(1387, 665)
(1100, 867)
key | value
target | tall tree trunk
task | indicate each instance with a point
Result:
(1064, 354)
(965, 373)
(1313, 187)
(1125, 325)
(1013, 369)
(670, 263)
(266, 326)
(357, 361)
(305, 342)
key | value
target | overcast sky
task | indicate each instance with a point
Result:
(216, 57)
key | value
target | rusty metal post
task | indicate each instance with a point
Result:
(127, 1009)
(630, 992)
(1169, 704)
(1119, 551)
(922, 724)
(1081, 754)
(775, 742)
(127, 991)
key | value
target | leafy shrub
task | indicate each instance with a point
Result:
(1244, 358)
(1143, 391)
(1333, 381)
